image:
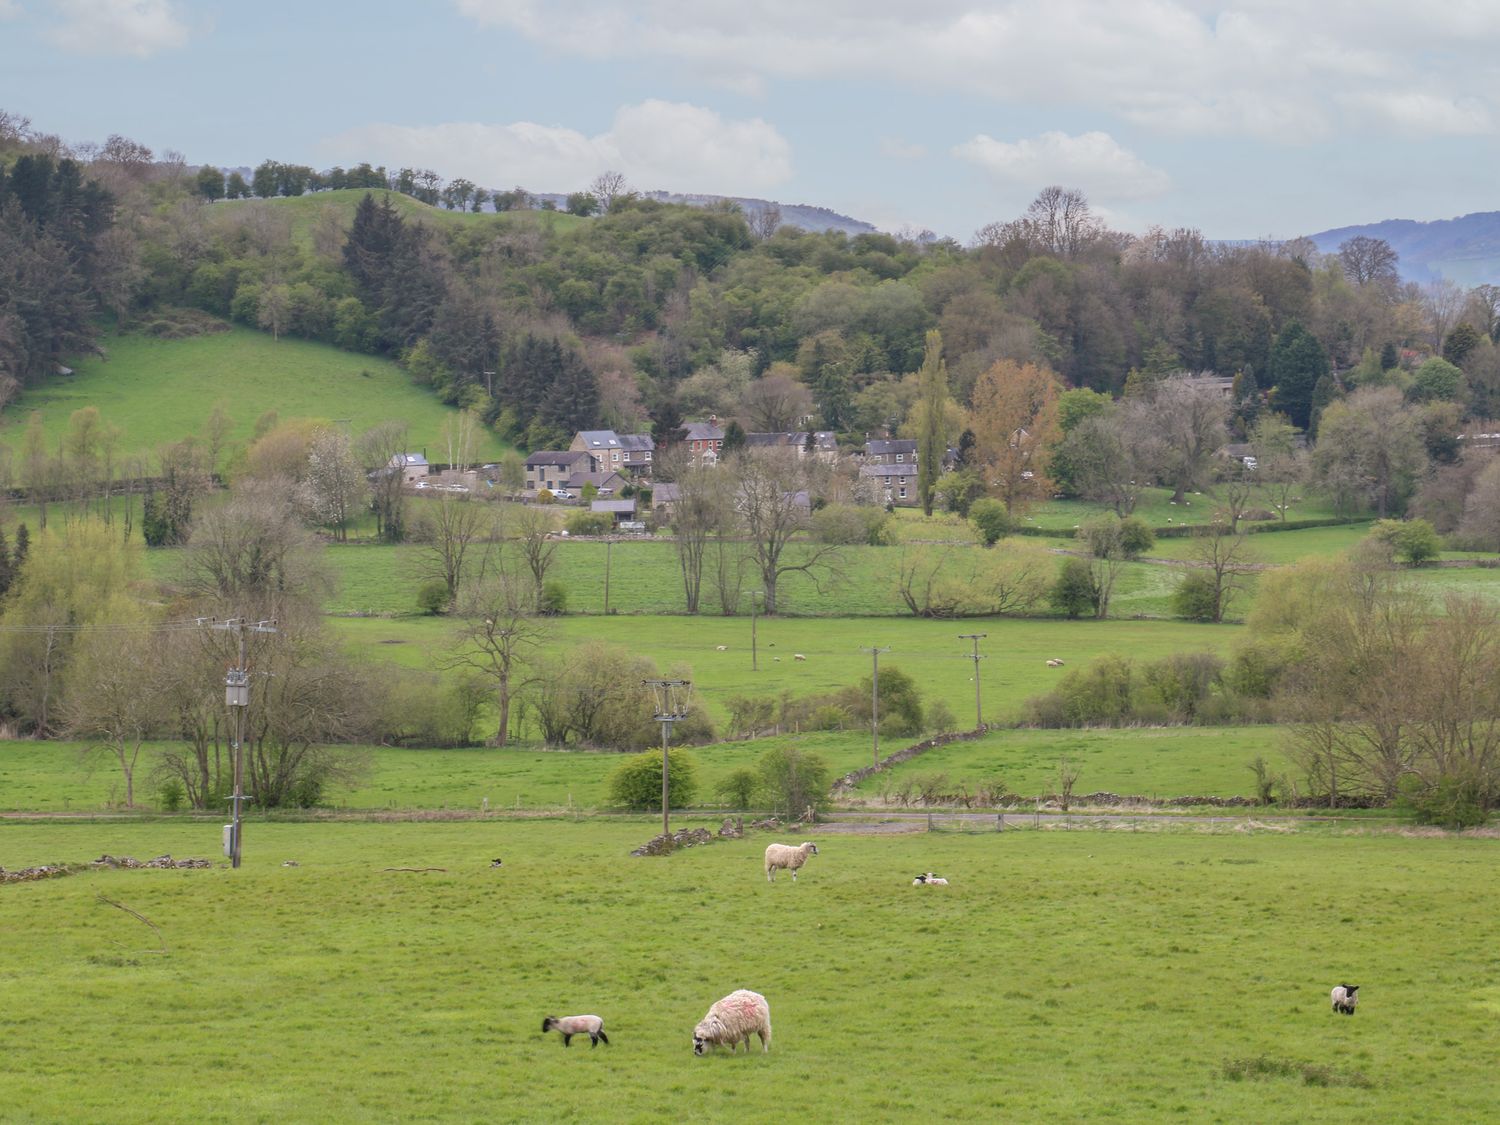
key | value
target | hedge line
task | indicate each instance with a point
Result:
(1183, 530)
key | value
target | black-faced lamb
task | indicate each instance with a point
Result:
(592, 1026)
(928, 879)
(1345, 997)
(787, 858)
(732, 1021)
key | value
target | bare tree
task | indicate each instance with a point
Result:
(253, 557)
(1280, 462)
(775, 403)
(1179, 426)
(380, 449)
(454, 531)
(606, 188)
(764, 221)
(115, 703)
(1369, 261)
(1226, 563)
(533, 530)
(1106, 461)
(1442, 300)
(497, 639)
(702, 506)
(773, 497)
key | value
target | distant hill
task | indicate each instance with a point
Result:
(1465, 250)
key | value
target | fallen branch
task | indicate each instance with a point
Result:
(136, 914)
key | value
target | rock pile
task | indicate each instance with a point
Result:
(161, 861)
(665, 845)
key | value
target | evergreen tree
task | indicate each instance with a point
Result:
(734, 439)
(6, 575)
(1389, 356)
(1298, 361)
(22, 549)
(666, 426)
(931, 413)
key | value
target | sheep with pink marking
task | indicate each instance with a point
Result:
(732, 1020)
(569, 1026)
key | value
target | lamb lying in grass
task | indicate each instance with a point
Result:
(1345, 997)
(928, 879)
(592, 1026)
(732, 1021)
(787, 858)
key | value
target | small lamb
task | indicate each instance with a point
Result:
(928, 879)
(1345, 997)
(798, 656)
(592, 1026)
(721, 648)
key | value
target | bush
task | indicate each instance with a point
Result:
(1459, 801)
(738, 789)
(940, 718)
(636, 783)
(554, 599)
(1136, 537)
(171, 796)
(991, 520)
(900, 703)
(589, 523)
(432, 598)
(853, 526)
(1074, 592)
(1196, 597)
(791, 781)
(1414, 542)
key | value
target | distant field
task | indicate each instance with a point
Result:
(304, 210)
(1061, 975)
(158, 391)
(1155, 507)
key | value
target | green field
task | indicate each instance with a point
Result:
(1078, 975)
(160, 391)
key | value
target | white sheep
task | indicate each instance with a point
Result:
(1345, 997)
(592, 1026)
(721, 648)
(929, 880)
(732, 1021)
(798, 656)
(787, 858)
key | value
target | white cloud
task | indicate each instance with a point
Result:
(9, 9)
(1284, 70)
(118, 27)
(1093, 162)
(656, 144)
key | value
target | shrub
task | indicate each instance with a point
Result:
(1099, 694)
(1074, 592)
(991, 520)
(545, 496)
(853, 526)
(1196, 596)
(900, 703)
(1182, 682)
(940, 718)
(171, 796)
(636, 782)
(1414, 542)
(589, 523)
(1457, 801)
(432, 598)
(1136, 537)
(738, 789)
(791, 781)
(554, 599)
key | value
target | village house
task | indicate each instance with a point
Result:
(664, 497)
(620, 512)
(892, 451)
(825, 446)
(607, 482)
(553, 469)
(623, 453)
(412, 466)
(704, 440)
(891, 483)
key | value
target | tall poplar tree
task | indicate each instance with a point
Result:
(931, 414)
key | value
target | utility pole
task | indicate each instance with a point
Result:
(670, 704)
(978, 708)
(875, 697)
(237, 699)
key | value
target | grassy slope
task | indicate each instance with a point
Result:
(162, 390)
(1061, 974)
(303, 212)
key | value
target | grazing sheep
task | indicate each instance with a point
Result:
(733, 1020)
(929, 880)
(721, 648)
(592, 1026)
(1345, 997)
(798, 656)
(787, 858)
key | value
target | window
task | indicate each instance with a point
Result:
(900, 457)
(903, 494)
(615, 456)
(901, 480)
(648, 455)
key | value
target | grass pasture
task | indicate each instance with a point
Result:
(1062, 973)
(160, 391)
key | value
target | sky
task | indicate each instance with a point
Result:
(1242, 118)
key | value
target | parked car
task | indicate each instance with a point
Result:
(561, 494)
(604, 492)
